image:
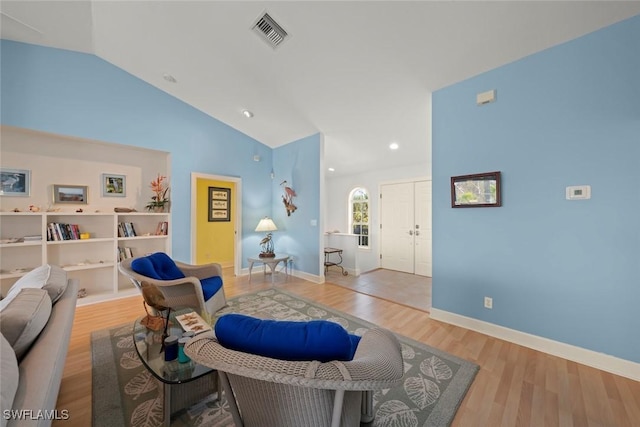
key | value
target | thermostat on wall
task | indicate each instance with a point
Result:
(578, 192)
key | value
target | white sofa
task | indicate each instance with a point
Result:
(35, 340)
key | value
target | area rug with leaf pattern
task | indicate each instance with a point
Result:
(126, 394)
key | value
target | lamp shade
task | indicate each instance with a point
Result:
(266, 224)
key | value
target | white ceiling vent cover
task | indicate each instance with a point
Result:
(269, 30)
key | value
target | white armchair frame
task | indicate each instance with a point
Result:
(185, 292)
(264, 391)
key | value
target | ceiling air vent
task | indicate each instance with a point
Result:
(270, 31)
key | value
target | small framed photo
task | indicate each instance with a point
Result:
(15, 182)
(219, 204)
(114, 185)
(70, 194)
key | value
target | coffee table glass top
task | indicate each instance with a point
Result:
(148, 344)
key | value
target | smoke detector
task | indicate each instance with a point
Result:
(269, 30)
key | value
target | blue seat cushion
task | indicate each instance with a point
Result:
(320, 340)
(210, 286)
(157, 266)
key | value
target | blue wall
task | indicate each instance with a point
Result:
(565, 270)
(77, 94)
(297, 163)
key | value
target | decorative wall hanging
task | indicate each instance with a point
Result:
(480, 190)
(114, 185)
(219, 204)
(14, 182)
(70, 194)
(287, 199)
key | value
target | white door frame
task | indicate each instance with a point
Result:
(236, 211)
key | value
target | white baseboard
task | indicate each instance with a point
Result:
(226, 264)
(352, 271)
(604, 362)
(310, 277)
(95, 299)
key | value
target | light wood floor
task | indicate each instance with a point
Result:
(404, 288)
(515, 386)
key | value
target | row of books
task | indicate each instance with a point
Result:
(124, 252)
(126, 229)
(58, 231)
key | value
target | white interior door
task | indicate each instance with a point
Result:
(397, 227)
(406, 227)
(423, 262)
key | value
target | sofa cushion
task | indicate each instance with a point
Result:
(320, 340)
(9, 373)
(157, 266)
(22, 320)
(51, 278)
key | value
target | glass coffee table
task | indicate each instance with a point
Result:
(183, 384)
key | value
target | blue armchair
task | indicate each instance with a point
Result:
(183, 285)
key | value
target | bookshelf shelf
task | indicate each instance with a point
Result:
(142, 237)
(21, 244)
(89, 266)
(13, 275)
(92, 261)
(81, 241)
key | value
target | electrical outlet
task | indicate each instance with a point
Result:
(488, 303)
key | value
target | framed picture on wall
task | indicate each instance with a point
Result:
(480, 190)
(70, 194)
(114, 185)
(219, 204)
(15, 182)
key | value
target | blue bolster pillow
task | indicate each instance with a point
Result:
(320, 340)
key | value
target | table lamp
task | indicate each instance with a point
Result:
(266, 224)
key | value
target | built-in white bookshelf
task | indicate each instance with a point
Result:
(92, 260)
(52, 159)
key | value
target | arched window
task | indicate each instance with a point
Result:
(359, 215)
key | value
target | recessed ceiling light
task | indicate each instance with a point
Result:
(169, 78)
(332, 170)
(394, 146)
(248, 114)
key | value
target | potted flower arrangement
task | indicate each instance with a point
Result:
(160, 200)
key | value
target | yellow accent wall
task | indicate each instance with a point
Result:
(214, 240)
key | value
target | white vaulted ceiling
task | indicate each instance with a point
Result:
(359, 72)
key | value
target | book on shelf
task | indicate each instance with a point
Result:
(162, 229)
(126, 229)
(124, 252)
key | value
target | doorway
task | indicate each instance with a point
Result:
(215, 235)
(405, 222)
